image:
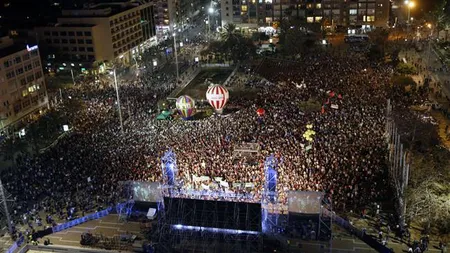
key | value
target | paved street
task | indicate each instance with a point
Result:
(430, 59)
(108, 226)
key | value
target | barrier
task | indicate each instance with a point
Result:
(369, 240)
(64, 226)
(16, 245)
(84, 219)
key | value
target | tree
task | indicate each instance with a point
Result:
(439, 15)
(406, 69)
(446, 27)
(229, 33)
(10, 147)
(375, 53)
(427, 196)
(380, 36)
(235, 45)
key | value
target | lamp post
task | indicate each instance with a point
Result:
(210, 12)
(118, 100)
(73, 77)
(137, 66)
(429, 42)
(409, 4)
(176, 55)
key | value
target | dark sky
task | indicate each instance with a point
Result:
(427, 5)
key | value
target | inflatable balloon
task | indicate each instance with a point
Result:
(185, 106)
(217, 97)
(309, 134)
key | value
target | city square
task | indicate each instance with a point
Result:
(215, 126)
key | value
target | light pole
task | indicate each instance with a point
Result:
(73, 78)
(176, 55)
(118, 100)
(137, 67)
(210, 12)
(409, 4)
(429, 42)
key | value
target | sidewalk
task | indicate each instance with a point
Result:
(395, 243)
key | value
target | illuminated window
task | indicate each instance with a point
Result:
(369, 18)
(24, 93)
(309, 6)
(310, 19)
(318, 19)
(244, 8)
(31, 89)
(353, 11)
(318, 6)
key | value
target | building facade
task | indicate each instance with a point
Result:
(332, 14)
(99, 33)
(23, 91)
(178, 13)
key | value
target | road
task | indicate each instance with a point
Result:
(430, 59)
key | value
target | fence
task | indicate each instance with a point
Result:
(84, 219)
(399, 166)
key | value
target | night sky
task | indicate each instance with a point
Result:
(424, 6)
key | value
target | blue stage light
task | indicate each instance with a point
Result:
(215, 230)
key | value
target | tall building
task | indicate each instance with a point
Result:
(22, 85)
(353, 14)
(98, 33)
(178, 13)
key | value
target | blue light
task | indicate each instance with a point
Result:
(214, 230)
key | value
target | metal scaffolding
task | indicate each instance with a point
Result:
(169, 169)
(6, 201)
(192, 225)
(270, 218)
(206, 226)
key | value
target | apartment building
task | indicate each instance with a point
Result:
(332, 14)
(99, 33)
(22, 85)
(178, 13)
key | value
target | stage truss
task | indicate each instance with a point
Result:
(274, 219)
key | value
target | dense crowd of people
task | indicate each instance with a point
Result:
(346, 159)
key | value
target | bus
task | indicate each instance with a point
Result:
(356, 38)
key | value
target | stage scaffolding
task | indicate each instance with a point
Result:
(271, 222)
(207, 235)
(179, 211)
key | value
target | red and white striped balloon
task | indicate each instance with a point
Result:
(217, 97)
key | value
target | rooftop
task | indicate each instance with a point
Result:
(74, 25)
(11, 50)
(100, 10)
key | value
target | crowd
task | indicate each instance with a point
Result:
(346, 159)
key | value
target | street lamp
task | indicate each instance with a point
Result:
(137, 66)
(409, 5)
(176, 55)
(210, 12)
(118, 100)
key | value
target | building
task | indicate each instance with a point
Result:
(332, 14)
(178, 13)
(22, 85)
(106, 32)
